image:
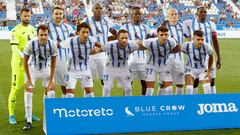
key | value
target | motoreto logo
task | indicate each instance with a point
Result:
(217, 108)
(63, 112)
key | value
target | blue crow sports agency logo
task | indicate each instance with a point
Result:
(152, 110)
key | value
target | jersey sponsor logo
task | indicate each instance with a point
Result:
(167, 73)
(88, 78)
(128, 78)
(181, 75)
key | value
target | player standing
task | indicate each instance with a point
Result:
(20, 35)
(138, 59)
(59, 31)
(101, 27)
(178, 31)
(209, 29)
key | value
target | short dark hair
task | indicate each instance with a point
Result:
(136, 7)
(198, 33)
(163, 27)
(42, 27)
(57, 7)
(201, 8)
(83, 25)
(122, 31)
(24, 10)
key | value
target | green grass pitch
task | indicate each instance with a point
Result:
(228, 81)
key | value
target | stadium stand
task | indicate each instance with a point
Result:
(223, 13)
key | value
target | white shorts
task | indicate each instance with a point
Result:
(85, 78)
(122, 75)
(97, 65)
(40, 75)
(177, 70)
(196, 73)
(138, 71)
(60, 73)
(163, 72)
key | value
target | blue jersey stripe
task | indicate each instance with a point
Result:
(124, 56)
(86, 55)
(50, 47)
(87, 21)
(73, 53)
(153, 55)
(39, 51)
(188, 54)
(111, 53)
(45, 55)
(79, 52)
(118, 54)
(194, 56)
(34, 54)
(51, 36)
(103, 31)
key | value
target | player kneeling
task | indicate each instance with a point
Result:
(43, 54)
(197, 52)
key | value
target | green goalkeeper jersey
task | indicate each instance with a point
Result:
(20, 35)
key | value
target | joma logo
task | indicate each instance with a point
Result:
(217, 108)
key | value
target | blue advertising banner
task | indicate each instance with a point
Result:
(6, 28)
(142, 114)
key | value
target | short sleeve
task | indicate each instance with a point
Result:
(54, 48)
(209, 49)
(105, 47)
(213, 26)
(146, 43)
(133, 45)
(66, 43)
(92, 42)
(27, 51)
(172, 42)
(14, 38)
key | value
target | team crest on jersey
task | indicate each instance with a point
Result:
(167, 73)
(13, 37)
(88, 78)
(181, 75)
(128, 78)
(104, 23)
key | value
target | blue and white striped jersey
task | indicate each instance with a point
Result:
(159, 53)
(207, 27)
(40, 55)
(79, 53)
(60, 33)
(118, 57)
(99, 29)
(137, 32)
(197, 57)
(179, 31)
